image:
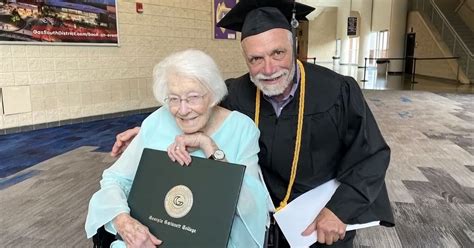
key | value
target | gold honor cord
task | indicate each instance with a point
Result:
(299, 131)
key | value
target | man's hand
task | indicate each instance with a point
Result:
(133, 233)
(328, 227)
(122, 140)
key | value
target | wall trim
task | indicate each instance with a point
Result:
(74, 121)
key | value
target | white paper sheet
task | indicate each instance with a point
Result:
(299, 213)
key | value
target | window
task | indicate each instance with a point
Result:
(353, 50)
(382, 44)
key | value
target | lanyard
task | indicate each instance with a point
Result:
(299, 131)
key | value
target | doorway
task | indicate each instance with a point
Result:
(410, 52)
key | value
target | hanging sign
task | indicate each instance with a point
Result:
(352, 25)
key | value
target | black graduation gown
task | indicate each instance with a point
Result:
(340, 140)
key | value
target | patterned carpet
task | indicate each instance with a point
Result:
(47, 177)
(40, 145)
(430, 178)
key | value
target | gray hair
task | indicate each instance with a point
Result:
(192, 64)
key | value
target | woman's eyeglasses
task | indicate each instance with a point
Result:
(191, 100)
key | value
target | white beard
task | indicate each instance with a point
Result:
(273, 89)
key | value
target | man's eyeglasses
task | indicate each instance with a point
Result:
(191, 100)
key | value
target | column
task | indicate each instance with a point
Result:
(342, 15)
(396, 43)
(364, 7)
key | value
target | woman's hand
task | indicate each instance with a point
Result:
(179, 151)
(133, 233)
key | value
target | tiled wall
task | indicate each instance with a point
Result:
(70, 82)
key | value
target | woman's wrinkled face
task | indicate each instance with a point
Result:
(189, 102)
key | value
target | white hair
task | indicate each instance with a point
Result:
(290, 39)
(192, 64)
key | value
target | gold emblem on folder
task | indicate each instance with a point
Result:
(178, 201)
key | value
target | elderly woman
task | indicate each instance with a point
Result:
(190, 86)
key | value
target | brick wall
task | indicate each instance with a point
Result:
(70, 82)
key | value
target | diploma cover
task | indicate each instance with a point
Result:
(186, 206)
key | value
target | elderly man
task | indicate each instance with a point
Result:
(315, 125)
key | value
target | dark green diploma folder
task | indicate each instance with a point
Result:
(190, 206)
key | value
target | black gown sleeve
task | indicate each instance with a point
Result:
(365, 158)
(227, 101)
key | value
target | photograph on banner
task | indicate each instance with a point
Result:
(220, 9)
(88, 22)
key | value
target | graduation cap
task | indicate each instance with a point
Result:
(251, 17)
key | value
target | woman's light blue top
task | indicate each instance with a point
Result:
(237, 137)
